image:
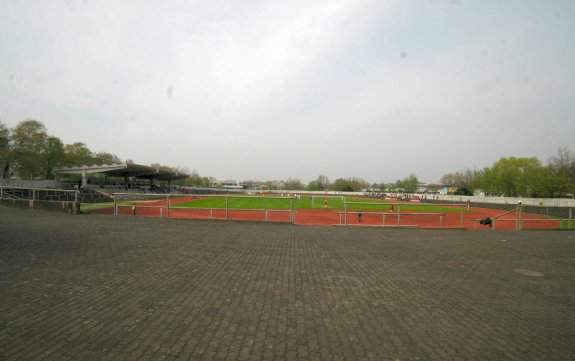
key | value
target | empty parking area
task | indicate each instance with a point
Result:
(95, 287)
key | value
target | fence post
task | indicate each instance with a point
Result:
(345, 208)
(227, 206)
(570, 217)
(168, 210)
(461, 222)
(290, 211)
(115, 206)
(518, 217)
(383, 219)
(266, 215)
(399, 215)
(441, 221)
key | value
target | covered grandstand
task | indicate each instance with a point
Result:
(124, 176)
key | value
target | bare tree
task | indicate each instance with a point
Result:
(324, 181)
(564, 164)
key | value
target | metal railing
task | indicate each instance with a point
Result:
(398, 213)
(38, 194)
(520, 220)
(541, 202)
(385, 215)
(169, 207)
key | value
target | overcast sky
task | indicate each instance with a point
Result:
(292, 89)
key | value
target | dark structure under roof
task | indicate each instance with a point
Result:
(124, 171)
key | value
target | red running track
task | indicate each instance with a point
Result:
(329, 217)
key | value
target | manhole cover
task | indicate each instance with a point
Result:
(528, 272)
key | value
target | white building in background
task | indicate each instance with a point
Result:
(232, 184)
(227, 184)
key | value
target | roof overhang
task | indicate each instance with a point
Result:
(122, 170)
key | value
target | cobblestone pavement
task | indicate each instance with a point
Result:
(128, 288)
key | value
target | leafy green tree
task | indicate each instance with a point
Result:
(105, 158)
(512, 177)
(53, 154)
(29, 142)
(349, 185)
(342, 185)
(410, 184)
(29, 152)
(5, 151)
(314, 185)
(78, 154)
(548, 183)
(485, 181)
(516, 176)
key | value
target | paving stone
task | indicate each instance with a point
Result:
(96, 287)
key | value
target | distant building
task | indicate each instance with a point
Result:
(227, 184)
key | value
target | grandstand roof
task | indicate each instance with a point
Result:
(123, 170)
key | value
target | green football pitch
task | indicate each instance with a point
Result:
(306, 202)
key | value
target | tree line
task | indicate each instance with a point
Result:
(28, 152)
(519, 177)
